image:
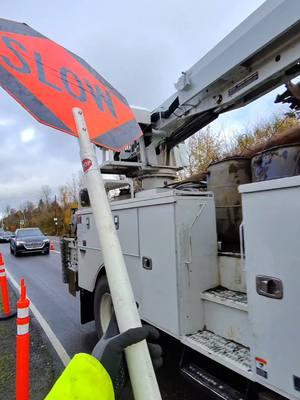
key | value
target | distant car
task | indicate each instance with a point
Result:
(6, 236)
(29, 240)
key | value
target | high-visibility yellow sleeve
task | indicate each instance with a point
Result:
(83, 379)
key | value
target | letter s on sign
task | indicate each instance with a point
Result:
(11, 43)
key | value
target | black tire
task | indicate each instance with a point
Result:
(16, 254)
(11, 250)
(46, 252)
(102, 289)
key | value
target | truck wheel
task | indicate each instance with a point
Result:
(103, 306)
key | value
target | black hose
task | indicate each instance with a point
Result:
(187, 185)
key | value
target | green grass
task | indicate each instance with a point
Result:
(44, 368)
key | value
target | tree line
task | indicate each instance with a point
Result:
(51, 213)
(208, 146)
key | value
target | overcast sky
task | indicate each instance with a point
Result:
(139, 46)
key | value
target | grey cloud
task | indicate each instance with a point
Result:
(139, 46)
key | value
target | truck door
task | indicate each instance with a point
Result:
(158, 266)
(271, 213)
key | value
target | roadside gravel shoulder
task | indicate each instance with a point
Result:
(45, 366)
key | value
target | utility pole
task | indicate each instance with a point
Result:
(22, 221)
(55, 215)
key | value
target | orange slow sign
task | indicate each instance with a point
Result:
(48, 80)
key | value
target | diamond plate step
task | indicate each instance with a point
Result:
(226, 352)
(226, 297)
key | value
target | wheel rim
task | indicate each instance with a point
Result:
(106, 307)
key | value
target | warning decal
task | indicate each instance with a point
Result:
(261, 367)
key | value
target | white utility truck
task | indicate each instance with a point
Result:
(215, 264)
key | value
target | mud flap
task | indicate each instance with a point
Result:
(86, 306)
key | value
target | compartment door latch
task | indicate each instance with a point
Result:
(269, 287)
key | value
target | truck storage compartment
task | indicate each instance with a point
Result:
(271, 221)
(169, 242)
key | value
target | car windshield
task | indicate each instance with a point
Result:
(29, 232)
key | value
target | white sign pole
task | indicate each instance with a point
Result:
(139, 363)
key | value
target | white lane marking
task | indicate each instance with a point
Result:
(60, 350)
(55, 251)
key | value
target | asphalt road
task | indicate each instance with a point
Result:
(61, 310)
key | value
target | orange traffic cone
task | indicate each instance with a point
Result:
(52, 247)
(23, 346)
(4, 288)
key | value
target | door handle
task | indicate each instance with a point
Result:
(269, 286)
(116, 221)
(147, 263)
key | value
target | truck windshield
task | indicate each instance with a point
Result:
(29, 232)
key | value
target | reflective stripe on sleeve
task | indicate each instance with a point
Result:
(23, 329)
(23, 312)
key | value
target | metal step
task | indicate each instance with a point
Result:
(226, 314)
(210, 384)
(226, 297)
(226, 352)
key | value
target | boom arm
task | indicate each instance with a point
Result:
(262, 53)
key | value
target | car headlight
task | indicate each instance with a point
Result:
(46, 240)
(20, 242)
